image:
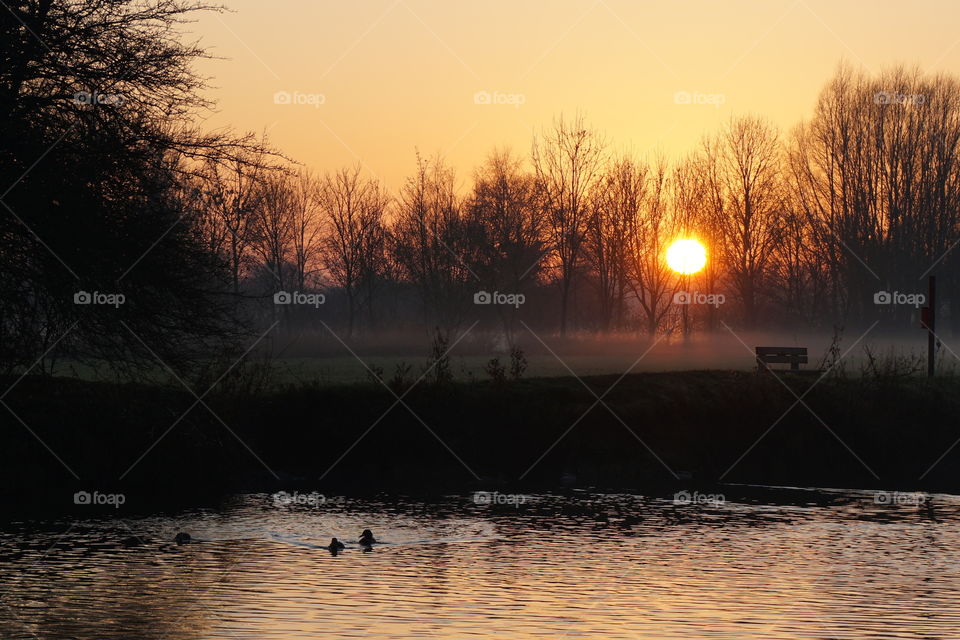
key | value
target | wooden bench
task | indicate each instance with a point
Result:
(794, 356)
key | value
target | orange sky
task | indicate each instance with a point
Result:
(376, 79)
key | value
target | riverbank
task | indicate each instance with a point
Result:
(693, 428)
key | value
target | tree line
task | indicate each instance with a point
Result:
(803, 228)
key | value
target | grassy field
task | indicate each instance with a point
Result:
(346, 370)
(319, 360)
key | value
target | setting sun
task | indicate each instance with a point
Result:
(686, 256)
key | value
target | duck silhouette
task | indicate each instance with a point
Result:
(182, 538)
(336, 545)
(366, 538)
(133, 541)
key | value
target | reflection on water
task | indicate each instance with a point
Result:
(764, 564)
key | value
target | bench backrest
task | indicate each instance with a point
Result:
(782, 355)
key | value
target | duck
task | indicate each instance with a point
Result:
(366, 538)
(182, 538)
(336, 545)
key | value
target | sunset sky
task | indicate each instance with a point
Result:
(396, 75)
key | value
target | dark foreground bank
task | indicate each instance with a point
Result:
(650, 430)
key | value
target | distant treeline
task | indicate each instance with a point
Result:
(130, 235)
(805, 230)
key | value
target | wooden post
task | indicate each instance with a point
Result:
(931, 325)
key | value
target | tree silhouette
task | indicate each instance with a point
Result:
(568, 159)
(96, 143)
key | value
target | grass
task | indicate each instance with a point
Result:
(716, 426)
(347, 370)
(340, 370)
(318, 359)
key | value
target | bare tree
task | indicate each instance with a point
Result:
(744, 169)
(353, 209)
(428, 242)
(105, 93)
(875, 172)
(615, 207)
(306, 228)
(696, 200)
(505, 227)
(643, 192)
(231, 192)
(567, 158)
(797, 278)
(273, 226)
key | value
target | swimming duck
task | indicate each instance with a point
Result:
(366, 538)
(182, 538)
(336, 545)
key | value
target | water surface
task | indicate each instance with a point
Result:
(766, 563)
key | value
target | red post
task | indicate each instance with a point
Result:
(931, 322)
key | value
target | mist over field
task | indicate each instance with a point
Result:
(321, 358)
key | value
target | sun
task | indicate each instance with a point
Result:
(686, 256)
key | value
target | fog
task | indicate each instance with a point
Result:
(322, 356)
